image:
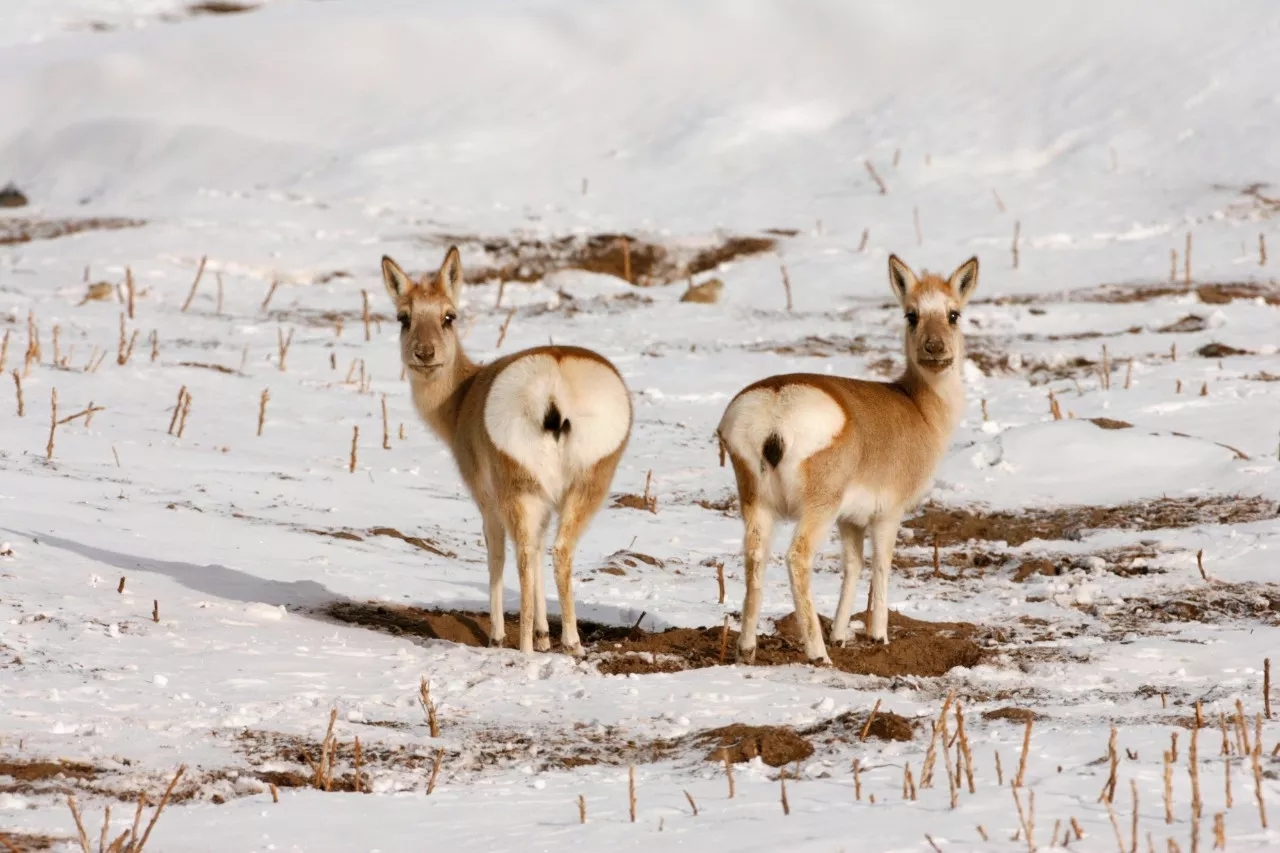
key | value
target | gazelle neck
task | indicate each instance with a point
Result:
(939, 396)
(438, 395)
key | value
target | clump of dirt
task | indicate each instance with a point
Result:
(220, 7)
(416, 541)
(624, 256)
(727, 505)
(1211, 604)
(1110, 423)
(23, 230)
(11, 196)
(917, 648)
(705, 293)
(1217, 350)
(1033, 568)
(774, 745)
(954, 526)
(1189, 323)
(814, 346)
(40, 771)
(849, 726)
(1013, 715)
(633, 501)
(1210, 294)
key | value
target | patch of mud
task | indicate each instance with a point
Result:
(924, 649)
(23, 230)
(1186, 325)
(953, 526)
(624, 256)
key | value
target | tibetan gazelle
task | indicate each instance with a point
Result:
(825, 449)
(535, 432)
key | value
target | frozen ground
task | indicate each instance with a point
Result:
(298, 142)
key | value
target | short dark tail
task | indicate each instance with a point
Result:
(553, 423)
(772, 450)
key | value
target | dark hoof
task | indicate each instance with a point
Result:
(747, 656)
(495, 642)
(822, 661)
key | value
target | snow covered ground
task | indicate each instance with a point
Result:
(295, 143)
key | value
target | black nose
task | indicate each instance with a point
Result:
(425, 353)
(935, 346)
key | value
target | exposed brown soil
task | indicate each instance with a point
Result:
(955, 526)
(220, 7)
(11, 196)
(774, 745)
(633, 501)
(993, 358)
(925, 649)
(1211, 294)
(1217, 350)
(428, 545)
(41, 771)
(532, 259)
(1189, 323)
(977, 562)
(1014, 715)
(848, 727)
(728, 505)
(22, 230)
(30, 841)
(219, 368)
(1211, 603)
(312, 318)
(814, 346)
(1110, 423)
(1263, 376)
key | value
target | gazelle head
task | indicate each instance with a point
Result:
(932, 307)
(428, 315)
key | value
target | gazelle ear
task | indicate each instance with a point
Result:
(965, 280)
(398, 284)
(901, 279)
(450, 276)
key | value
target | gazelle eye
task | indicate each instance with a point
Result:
(404, 322)
(449, 317)
(953, 317)
(913, 318)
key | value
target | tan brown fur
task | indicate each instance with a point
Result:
(874, 468)
(451, 400)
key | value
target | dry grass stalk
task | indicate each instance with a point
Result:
(1204, 390)
(1133, 843)
(724, 638)
(999, 771)
(195, 284)
(650, 499)
(1262, 250)
(786, 285)
(964, 747)
(930, 756)
(728, 772)
(1017, 235)
(129, 290)
(1108, 793)
(355, 441)
(862, 244)
(271, 291)
(908, 782)
(155, 817)
(1226, 775)
(1173, 265)
(356, 783)
(282, 345)
(1219, 831)
(33, 344)
(1115, 825)
(120, 586)
(1075, 827)
(218, 278)
(1054, 408)
(1257, 785)
(126, 350)
(57, 350)
(692, 804)
(866, 729)
(631, 786)
(4, 349)
(1266, 687)
(1242, 729)
(857, 779)
(262, 409)
(53, 422)
(275, 792)
(626, 260)
(428, 707)
(116, 455)
(1026, 748)
(1128, 375)
(17, 381)
(953, 772)
(983, 833)
(1106, 369)
(75, 812)
(720, 580)
(1200, 566)
(875, 176)
(155, 610)
(1186, 262)
(386, 433)
(402, 432)
(932, 843)
(782, 781)
(182, 419)
(177, 409)
(985, 417)
(1169, 759)
(915, 216)
(364, 314)
(1028, 824)
(155, 345)
(582, 809)
(1199, 715)
(1193, 769)
(435, 771)
(322, 772)
(502, 331)
(999, 201)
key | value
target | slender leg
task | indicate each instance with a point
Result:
(758, 522)
(884, 533)
(851, 539)
(579, 505)
(527, 522)
(541, 630)
(495, 541)
(810, 530)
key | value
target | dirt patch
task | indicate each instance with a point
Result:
(220, 7)
(849, 726)
(1217, 350)
(727, 505)
(925, 649)
(1013, 715)
(1210, 294)
(1214, 603)
(814, 346)
(956, 526)
(40, 771)
(219, 368)
(326, 319)
(1110, 423)
(1189, 323)
(416, 541)
(11, 196)
(623, 256)
(633, 501)
(14, 230)
(27, 841)
(774, 745)
(993, 358)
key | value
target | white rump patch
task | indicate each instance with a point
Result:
(805, 418)
(588, 394)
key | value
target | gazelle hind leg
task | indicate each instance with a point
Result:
(495, 542)
(810, 530)
(851, 541)
(579, 506)
(884, 533)
(758, 524)
(527, 521)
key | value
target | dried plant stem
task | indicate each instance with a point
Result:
(964, 748)
(1128, 375)
(857, 779)
(195, 283)
(1200, 566)
(271, 291)
(17, 381)
(1026, 748)
(218, 309)
(631, 786)
(871, 718)
(862, 244)
(786, 285)
(1266, 687)
(428, 707)
(650, 499)
(952, 771)
(435, 770)
(582, 809)
(1027, 823)
(155, 345)
(355, 441)
(875, 176)
(1115, 825)
(1108, 793)
(129, 290)
(1226, 775)
(724, 635)
(1133, 832)
(1257, 785)
(728, 772)
(182, 419)
(275, 793)
(692, 804)
(1017, 236)
(262, 409)
(1262, 250)
(720, 580)
(53, 421)
(155, 817)
(75, 813)
(356, 782)
(155, 610)
(1242, 729)
(999, 201)
(782, 781)
(364, 314)
(177, 409)
(1169, 759)
(1173, 265)
(1193, 769)
(1054, 408)
(282, 345)
(1106, 369)
(502, 331)
(999, 771)
(4, 349)
(386, 432)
